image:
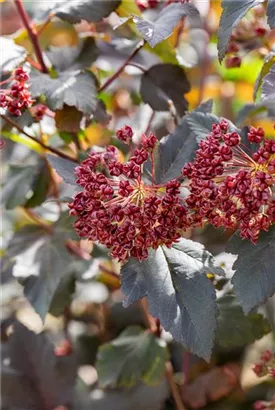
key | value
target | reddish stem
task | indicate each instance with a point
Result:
(117, 73)
(154, 327)
(6, 81)
(32, 34)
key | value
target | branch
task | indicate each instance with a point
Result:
(173, 387)
(32, 34)
(154, 327)
(126, 62)
(53, 150)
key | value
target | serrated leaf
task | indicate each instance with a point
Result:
(73, 88)
(268, 63)
(48, 380)
(162, 83)
(248, 111)
(64, 167)
(236, 330)
(41, 266)
(156, 31)
(40, 185)
(19, 184)
(233, 12)
(63, 295)
(178, 148)
(270, 12)
(11, 54)
(268, 88)
(68, 119)
(254, 279)
(135, 355)
(6, 268)
(178, 291)
(74, 58)
(89, 10)
(23, 239)
(165, 51)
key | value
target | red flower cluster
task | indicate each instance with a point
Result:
(249, 34)
(147, 4)
(266, 366)
(119, 210)
(17, 97)
(38, 112)
(230, 188)
(151, 4)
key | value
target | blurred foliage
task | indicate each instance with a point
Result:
(67, 342)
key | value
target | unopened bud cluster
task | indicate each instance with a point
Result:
(119, 210)
(266, 365)
(229, 187)
(16, 98)
(249, 34)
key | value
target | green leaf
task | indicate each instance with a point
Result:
(135, 355)
(178, 148)
(163, 83)
(41, 267)
(156, 31)
(270, 11)
(140, 397)
(89, 10)
(33, 367)
(64, 167)
(233, 12)
(11, 54)
(127, 9)
(178, 291)
(164, 51)
(234, 328)
(19, 184)
(254, 279)
(22, 139)
(74, 88)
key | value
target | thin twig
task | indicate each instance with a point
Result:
(35, 218)
(173, 387)
(109, 271)
(32, 34)
(154, 326)
(121, 68)
(137, 66)
(152, 116)
(173, 112)
(44, 25)
(53, 150)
